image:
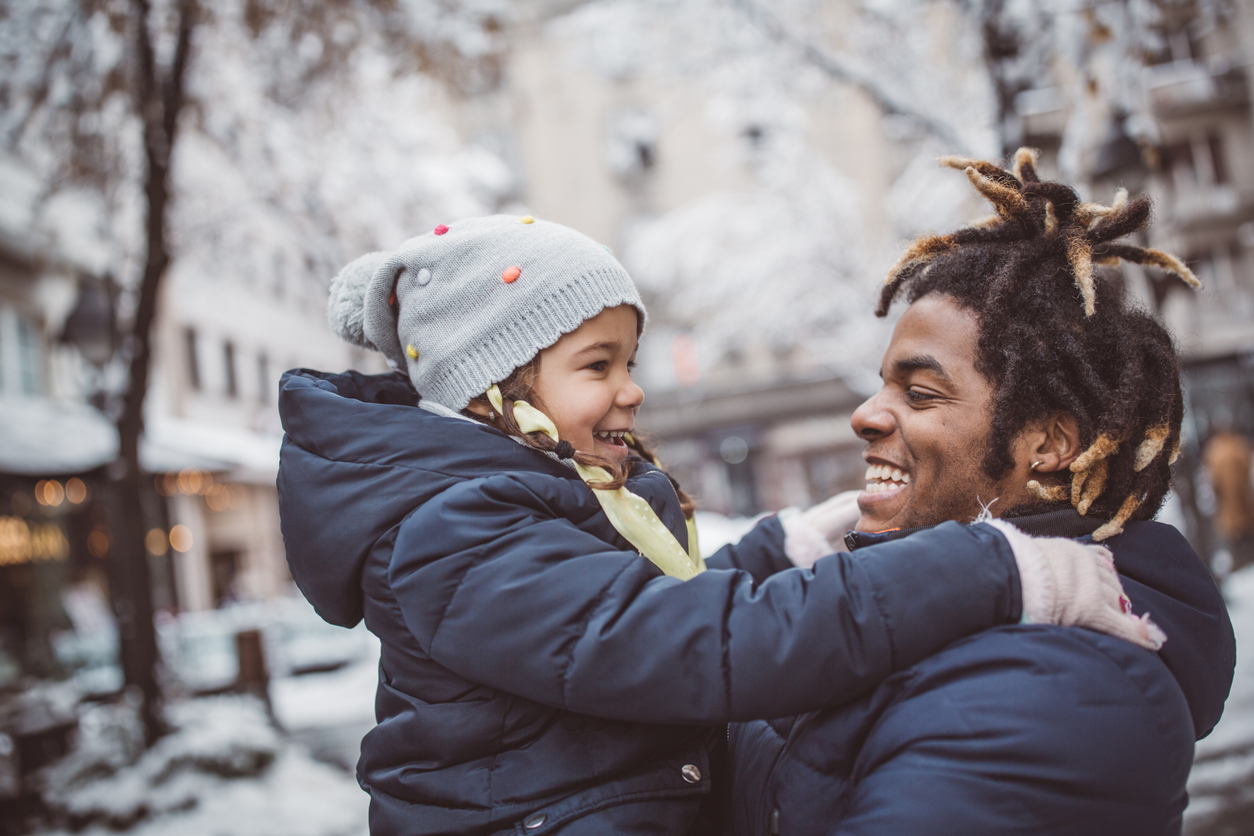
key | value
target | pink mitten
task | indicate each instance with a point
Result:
(818, 531)
(1075, 585)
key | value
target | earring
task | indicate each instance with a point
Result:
(1035, 464)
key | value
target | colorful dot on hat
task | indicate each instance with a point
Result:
(510, 274)
(392, 299)
(411, 352)
(441, 229)
(526, 219)
(423, 278)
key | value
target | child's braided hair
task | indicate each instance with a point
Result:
(520, 386)
(1055, 338)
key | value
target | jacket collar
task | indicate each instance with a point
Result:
(1065, 522)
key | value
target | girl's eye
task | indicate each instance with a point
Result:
(598, 366)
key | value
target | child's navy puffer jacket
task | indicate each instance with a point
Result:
(537, 674)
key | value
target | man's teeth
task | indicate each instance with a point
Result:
(881, 477)
(611, 433)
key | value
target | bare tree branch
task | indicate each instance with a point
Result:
(888, 102)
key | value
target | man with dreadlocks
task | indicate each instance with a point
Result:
(1018, 385)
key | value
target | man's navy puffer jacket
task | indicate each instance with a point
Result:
(1026, 729)
(537, 673)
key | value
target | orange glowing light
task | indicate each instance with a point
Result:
(49, 492)
(76, 491)
(156, 543)
(98, 542)
(181, 538)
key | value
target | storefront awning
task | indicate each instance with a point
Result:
(42, 437)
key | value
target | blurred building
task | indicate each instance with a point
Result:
(695, 187)
(211, 442)
(222, 343)
(1195, 155)
(53, 515)
(604, 147)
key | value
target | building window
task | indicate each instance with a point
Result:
(1198, 162)
(21, 354)
(263, 376)
(228, 361)
(193, 364)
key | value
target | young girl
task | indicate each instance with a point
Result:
(556, 656)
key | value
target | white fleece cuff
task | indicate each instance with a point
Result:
(1036, 582)
(803, 543)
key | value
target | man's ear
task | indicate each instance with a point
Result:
(1056, 443)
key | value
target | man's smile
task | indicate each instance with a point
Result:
(883, 477)
(886, 492)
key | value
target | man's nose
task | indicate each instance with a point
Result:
(871, 420)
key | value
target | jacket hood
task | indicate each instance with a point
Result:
(357, 457)
(1163, 576)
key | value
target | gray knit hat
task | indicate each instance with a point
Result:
(461, 307)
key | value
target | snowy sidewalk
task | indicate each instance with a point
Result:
(228, 772)
(1221, 786)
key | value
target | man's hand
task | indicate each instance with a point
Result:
(1072, 584)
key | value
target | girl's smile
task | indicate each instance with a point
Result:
(584, 383)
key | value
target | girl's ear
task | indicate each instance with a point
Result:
(479, 406)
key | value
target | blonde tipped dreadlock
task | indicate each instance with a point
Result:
(1007, 201)
(1115, 524)
(1110, 366)
(1024, 158)
(1054, 493)
(1152, 446)
(1080, 254)
(919, 253)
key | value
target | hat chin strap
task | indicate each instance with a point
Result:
(630, 515)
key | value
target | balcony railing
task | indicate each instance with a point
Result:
(1182, 88)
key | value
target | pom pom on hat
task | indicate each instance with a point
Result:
(346, 306)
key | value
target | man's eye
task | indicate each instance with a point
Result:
(915, 396)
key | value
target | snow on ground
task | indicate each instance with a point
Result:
(226, 771)
(1221, 786)
(715, 530)
(223, 771)
(335, 698)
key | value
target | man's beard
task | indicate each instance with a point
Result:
(968, 492)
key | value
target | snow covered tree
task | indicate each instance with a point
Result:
(225, 135)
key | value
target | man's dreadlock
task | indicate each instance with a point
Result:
(1054, 338)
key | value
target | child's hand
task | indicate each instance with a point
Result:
(833, 517)
(820, 530)
(1073, 584)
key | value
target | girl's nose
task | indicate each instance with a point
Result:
(870, 420)
(630, 396)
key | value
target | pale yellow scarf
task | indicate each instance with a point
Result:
(627, 512)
